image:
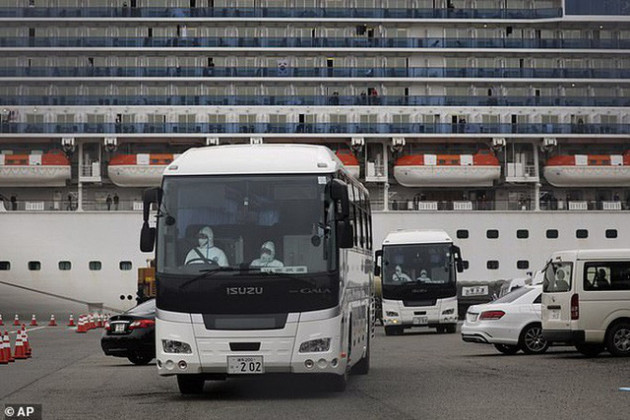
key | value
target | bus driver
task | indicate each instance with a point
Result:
(206, 252)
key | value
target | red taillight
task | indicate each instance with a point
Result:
(143, 323)
(491, 315)
(575, 306)
(107, 326)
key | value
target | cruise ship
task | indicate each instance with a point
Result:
(504, 122)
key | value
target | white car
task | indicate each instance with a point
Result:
(511, 323)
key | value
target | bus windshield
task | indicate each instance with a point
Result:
(230, 224)
(409, 270)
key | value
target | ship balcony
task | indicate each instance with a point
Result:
(521, 173)
(314, 100)
(378, 129)
(277, 12)
(309, 42)
(315, 72)
(90, 172)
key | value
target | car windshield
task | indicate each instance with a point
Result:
(419, 264)
(147, 307)
(243, 223)
(557, 277)
(513, 295)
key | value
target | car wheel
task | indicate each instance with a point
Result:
(532, 341)
(589, 349)
(506, 348)
(140, 359)
(190, 384)
(618, 339)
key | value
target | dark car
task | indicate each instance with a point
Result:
(132, 334)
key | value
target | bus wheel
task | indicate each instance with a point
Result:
(451, 328)
(618, 339)
(590, 349)
(441, 329)
(394, 330)
(190, 384)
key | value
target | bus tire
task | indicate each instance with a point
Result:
(190, 384)
(590, 349)
(451, 328)
(618, 339)
(394, 330)
(441, 329)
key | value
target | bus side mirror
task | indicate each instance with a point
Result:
(345, 234)
(378, 256)
(339, 193)
(459, 263)
(150, 196)
(147, 238)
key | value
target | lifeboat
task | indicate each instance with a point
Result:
(588, 170)
(138, 170)
(50, 169)
(466, 170)
(350, 161)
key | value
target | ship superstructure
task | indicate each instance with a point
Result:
(456, 114)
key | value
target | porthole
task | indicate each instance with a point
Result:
(552, 234)
(522, 234)
(462, 234)
(65, 265)
(611, 233)
(522, 264)
(5, 265)
(492, 234)
(95, 265)
(492, 265)
(581, 233)
(34, 265)
(125, 265)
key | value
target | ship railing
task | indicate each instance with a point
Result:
(314, 100)
(309, 42)
(278, 12)
(315, 72)
(502, 205)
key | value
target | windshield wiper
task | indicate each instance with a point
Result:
(212, 271)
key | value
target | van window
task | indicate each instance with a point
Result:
(557, 277)
(607, 275)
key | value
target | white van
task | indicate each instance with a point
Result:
(586, 300)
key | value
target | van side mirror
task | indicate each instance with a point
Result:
(339, 193)
(345, 234)
(378, 258)
(147, 238)
(150, 196)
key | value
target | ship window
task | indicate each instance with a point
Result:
(552, 233)
(65, 265)
(522, 234)
(492, 234)
(125, 265)
(492, 265)
(5, 265)
(611, 233)
(34, 265)
(95, 265)
(522, 264)
(462, 234)
(581, 233)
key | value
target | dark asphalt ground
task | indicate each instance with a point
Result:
(419, 375)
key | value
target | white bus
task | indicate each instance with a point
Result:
(263, 265)
(419, 274)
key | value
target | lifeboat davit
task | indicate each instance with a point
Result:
(466, 170)
(588, 170)
(50, 169)
(138, 170)
(350, 161)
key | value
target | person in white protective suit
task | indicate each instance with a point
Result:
(423, 276)
(206, 252)
(399, 276)
(267, 257)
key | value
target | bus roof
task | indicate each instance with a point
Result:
(255, 159)
(594, 254)
(416, 236)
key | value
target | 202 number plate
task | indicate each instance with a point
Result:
(245, 365)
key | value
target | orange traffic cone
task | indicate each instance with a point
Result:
(1, 323)
(81, 327)
(7, 347)
(71, 321)
(52, 322)
(34, 321)
(16, 321)
(3, 354)
(19, 348)
(28, 351)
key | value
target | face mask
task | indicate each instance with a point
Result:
(203, 241)
(398, 271)
(265, 257)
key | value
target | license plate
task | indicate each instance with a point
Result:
(420, 320)
(554, 314)
(245, 365)
(119, 328)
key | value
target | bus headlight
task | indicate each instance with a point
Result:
(318, 345)
(448, 311)
(171, 346)
(391, 313)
